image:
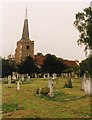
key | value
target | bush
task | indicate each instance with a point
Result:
(43, 91)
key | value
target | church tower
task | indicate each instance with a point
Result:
(25, 47)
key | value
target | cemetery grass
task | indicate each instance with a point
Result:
(66, 103)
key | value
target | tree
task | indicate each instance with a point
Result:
(53, 65)
(83, 23)
(27, 66)
(86, 66)
(8, 66)
(39, 54)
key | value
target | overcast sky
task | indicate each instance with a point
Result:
(50, 26)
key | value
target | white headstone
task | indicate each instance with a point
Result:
(13, 76)
(54, 76)
(62, 75)
(28, 78)
(88, 87)
(50, 85)
(40, 91)
(48, 75)
(18, 85)
(44, 76)
(76, 76)
(35, 75)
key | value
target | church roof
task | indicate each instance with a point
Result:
(40, 61)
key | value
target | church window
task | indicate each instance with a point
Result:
(27, 47)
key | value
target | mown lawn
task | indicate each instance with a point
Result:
(67, 102)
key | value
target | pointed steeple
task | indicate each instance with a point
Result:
(25, 34)
(26, 12)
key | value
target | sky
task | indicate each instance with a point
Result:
(50, 26)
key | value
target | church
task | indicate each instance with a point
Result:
(25, 47)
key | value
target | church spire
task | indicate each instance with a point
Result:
(26, 12)
(25, 34)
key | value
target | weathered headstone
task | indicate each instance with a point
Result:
(87, 86)
(62, 74)
(48, 75)
(40, 91)
(50, 85)
(18, 85)
(68, 84)
(54, 76)
(76, 76)
(13, 76)
(22, 77)
(9, 80)
(35, 75)
(44, 76)
(83, 83)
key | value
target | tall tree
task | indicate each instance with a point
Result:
(53, 65)
(86, 65)
(27, 66)
(8, 66)
(83, 23)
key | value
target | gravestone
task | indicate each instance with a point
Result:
(76, 76)
(13, 76)
(48, 75)
(40, 91)
(22, 77)
(68, 84)
(28, 78)
(44, 76)
(9, 80)
(18, 85)
(87, 86)
(54, 76)
(50, 85)
(35, 75)
(62, 74)
(83, 83)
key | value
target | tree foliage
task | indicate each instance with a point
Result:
(53, 65)
(8, 66)
(39, 54)
(27, 66)
(83, 23)
(86, 66)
